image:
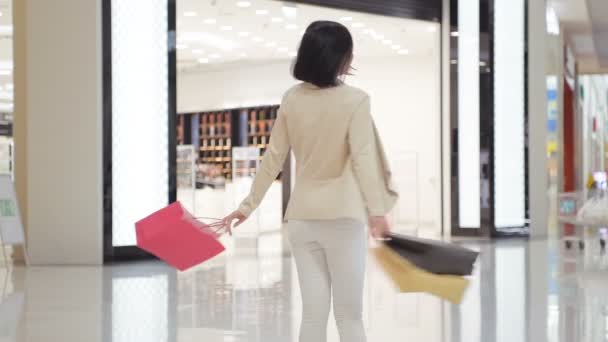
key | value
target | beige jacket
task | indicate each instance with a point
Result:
(341, 167)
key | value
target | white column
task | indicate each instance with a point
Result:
(468, 114)
(509, 125)
(58, 131)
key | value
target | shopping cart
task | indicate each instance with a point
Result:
(575, 230)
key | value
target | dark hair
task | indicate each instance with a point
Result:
(325, 49)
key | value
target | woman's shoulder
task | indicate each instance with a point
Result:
(342, 90)
(354, 92)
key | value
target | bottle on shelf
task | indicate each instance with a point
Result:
(204, 125)
(211, 125)
(262, 122)
(252, 122)
(219, 130)
(227, 123)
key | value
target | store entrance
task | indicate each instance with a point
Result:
(233, 66)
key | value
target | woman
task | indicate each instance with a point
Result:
(338, 184)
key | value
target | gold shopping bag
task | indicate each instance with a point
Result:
(409, 278)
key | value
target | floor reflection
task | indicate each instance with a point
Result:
(521, 291)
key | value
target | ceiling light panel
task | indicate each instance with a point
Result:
(289, 11)
(266, 22)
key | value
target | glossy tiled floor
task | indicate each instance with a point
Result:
(521, 292)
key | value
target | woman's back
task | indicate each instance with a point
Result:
(328, 125)
(318, 123)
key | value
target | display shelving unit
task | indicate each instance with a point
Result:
(214, 133)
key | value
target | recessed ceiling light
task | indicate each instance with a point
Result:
(271, 44)
(277, 20)
(396, 47)
(358, 25)
(1, 14)
(226, 28)
(404, 52)
(244, 34)
(431, 29)
(291, 26)
(210, 21)
(283, 49)
(198, 51)
(190, 14)
(261, 12)
(387, 42)
(215, 55)
(454, 34)
(243, 4)
(203, 60)
(346, 19)
(290, 11)
(258, 39)
(181, 46)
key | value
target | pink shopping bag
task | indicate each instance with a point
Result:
(177, 237)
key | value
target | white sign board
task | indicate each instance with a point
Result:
(11, 229)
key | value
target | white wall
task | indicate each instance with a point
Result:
(405, 103)
(59, 126)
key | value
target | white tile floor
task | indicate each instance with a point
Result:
(521, 291)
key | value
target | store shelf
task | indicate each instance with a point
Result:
(214, 134)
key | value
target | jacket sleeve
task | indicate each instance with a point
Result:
(271, 165)
(365, 159)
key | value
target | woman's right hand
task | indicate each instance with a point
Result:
(378, 227)
(228, 220)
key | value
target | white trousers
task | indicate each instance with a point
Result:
(330, 257)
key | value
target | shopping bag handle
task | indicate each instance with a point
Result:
(217, 227)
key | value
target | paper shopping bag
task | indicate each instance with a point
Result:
(409, 278)
(434, 256)
(176, 237)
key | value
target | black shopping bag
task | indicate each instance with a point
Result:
(434, 256)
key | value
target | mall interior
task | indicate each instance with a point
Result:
(493, 114)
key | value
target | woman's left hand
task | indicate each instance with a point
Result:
(228, 220)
